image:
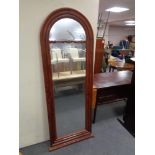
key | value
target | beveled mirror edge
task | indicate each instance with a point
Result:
(44, 40)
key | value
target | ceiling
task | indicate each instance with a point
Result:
(69, 29)
(117, 19)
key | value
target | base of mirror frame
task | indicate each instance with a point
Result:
(70, 139)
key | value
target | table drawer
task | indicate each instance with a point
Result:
(106, 95)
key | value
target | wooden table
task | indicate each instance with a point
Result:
(108, 87)
(129, 116)
(119, 65)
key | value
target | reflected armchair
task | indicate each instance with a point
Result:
(74, 55)
(57, 58)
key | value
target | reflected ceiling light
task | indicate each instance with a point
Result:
(117, 9)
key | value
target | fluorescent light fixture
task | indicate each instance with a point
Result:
(130, 22)
(117, 9)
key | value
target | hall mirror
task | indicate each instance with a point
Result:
(67, 51)
(67, 55)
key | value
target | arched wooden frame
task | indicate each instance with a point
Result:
(45, 50)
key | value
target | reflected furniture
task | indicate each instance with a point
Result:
(67, 77)
(57, 58)
(57, 55)
(73, 53)
(110, 87)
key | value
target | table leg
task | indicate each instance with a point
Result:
(94, 104)
(110, 68)
(94, 116)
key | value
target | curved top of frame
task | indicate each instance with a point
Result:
(66, 13)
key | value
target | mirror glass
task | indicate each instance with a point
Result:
(67, 42)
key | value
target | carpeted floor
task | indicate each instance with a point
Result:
(110, 137)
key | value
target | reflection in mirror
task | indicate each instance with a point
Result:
(67, 29)
(68, 63)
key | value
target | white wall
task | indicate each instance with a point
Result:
(117, 33)
(33, 113)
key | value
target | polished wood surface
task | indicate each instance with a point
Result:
(70, 139)
(94, 97)
(46, 59)
(105, 80)
(110, 87)
(99, 53)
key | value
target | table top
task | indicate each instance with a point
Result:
(121, 65)
(112, 79)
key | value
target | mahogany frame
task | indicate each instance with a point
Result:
(56, 142)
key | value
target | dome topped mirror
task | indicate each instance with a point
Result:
(67, 54)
